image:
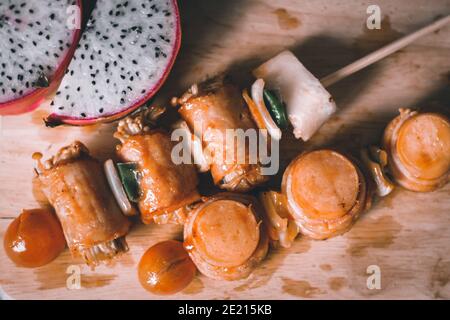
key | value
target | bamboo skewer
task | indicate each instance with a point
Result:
(383, 52)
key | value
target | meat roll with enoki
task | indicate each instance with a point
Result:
(210, 109)
(75, 185)
(166, 189)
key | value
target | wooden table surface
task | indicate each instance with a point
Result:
(406, 234)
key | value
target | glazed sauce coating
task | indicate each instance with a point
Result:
(211, 115)
(226, 237)
(79, 192)
(166, 268)
(34, 238)
(226, 232)
(325, 184)
(337, 192)
(424, 145)
(165, 186)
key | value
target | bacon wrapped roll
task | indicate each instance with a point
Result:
(418, 146)
(210, 109)
(166, 190)
(325, 193)
(76, 187)
(225, 236)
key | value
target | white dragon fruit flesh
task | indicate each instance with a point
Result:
(122, 59)
(37, 41)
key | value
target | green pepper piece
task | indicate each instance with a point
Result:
(276, 109)
(129, 176)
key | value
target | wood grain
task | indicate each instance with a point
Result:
(407, 234)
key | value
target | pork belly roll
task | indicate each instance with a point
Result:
(166, 190)
(418, 145)
(75, 185)
(210, 109)
(325, 193)
(225, 236)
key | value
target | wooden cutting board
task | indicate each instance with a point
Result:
(406, 234)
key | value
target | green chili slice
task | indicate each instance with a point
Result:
(129, 176)
(276, 108)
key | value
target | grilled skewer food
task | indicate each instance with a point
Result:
(164, 190)
(76, 187)
(284, 93)
(325, 192)
(210, 109)
(418, 145)
(226, 237)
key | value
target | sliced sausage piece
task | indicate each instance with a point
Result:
(418, 145)
(325, 192)
(225, 236)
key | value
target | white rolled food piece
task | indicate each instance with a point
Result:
(308, 104)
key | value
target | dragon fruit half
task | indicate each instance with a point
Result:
(37, 42)
(123, 57)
